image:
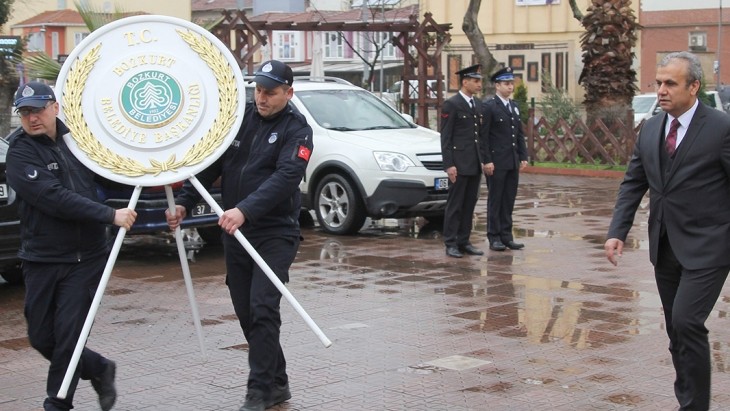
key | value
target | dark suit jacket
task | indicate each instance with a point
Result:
(692, 199)
(503, 130)
(460, 135)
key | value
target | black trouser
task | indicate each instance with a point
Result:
(256, 302)
(687, 299)
(57, 300)
(459, 213)
(502, 187)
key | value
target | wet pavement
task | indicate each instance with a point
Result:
(550, 327)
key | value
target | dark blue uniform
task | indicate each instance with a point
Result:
(64, 251)
(507, 148)
(461, 147)
(261, 172)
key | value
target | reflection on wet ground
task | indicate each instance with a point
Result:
(553, 326)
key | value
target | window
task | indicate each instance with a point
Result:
(78, 37)
(36, 42)
(54, 44)
(287, 45)
(383, 40)
(333, 45)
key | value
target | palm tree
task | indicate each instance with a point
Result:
(8, 75)
(608, 42)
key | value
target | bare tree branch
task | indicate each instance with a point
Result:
(576, 11)
(471, 28)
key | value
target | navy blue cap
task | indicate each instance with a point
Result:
(504, 74)
(272, 74)
(33, 94)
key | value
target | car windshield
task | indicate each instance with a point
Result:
(348, 110)
(642, 104)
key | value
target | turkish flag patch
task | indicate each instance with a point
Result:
(304, 153)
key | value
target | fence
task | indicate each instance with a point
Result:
(580, 143)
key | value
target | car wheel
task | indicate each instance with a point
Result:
(13, 275)
(338, 206)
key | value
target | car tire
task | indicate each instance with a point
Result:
(13, 274)
(338, 206)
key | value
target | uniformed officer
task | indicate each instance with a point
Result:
(508, 151)
(461, 147)
(261, 172)
(63, 244)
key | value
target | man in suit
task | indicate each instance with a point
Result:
(508, 152)
(461, 124)
(683, 159)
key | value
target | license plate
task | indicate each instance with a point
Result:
(441, 183)
(3, 191)
(202, 209)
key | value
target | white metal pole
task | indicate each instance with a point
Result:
(264, 266)
(186, 274)
(63, 391)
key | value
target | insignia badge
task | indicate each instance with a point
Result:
(151, 99)
(31, 173)
(267, 68)
(273, 137)
(28, 91)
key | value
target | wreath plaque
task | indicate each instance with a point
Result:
(150, 100)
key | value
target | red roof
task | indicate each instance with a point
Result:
(62, 18)
(328, 16)
(53, 18)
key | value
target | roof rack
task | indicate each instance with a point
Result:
(323, 79)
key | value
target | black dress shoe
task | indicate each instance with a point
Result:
(279, 394)
(254, 401)
(453, 252)
(497, 246)
(471, 250)
(514, 246)
(104, 386)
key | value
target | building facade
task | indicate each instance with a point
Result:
(531, 36)
(677, 25)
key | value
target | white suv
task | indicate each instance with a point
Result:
(368, 159)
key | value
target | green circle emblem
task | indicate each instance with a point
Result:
(151, 99)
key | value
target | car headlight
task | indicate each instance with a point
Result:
(392, 161)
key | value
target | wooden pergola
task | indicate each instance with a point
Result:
(426, 38)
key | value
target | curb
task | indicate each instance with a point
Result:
(574, 172)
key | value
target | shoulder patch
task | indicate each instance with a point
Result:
(31, 173)
(304, 153)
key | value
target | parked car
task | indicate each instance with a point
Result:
(9, 226)
(647, 105)
(202, 224)
(644, 106)
(198, 228)
(368, 161)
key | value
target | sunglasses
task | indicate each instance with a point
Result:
(27, 111)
